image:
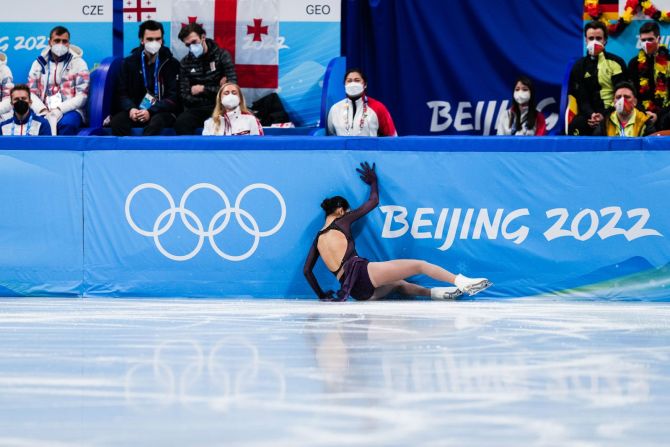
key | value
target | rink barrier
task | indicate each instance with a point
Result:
(218, 217)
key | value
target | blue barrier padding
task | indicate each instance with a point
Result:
(418, 143)
(231, 217)
(289, 131)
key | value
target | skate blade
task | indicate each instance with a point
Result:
(449, 295)
(478, 287)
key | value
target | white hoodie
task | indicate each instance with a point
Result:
(238, 123)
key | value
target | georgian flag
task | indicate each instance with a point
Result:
(248, 29)
(141, 10)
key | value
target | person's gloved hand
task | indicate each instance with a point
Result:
(367, 173)
(327, 296)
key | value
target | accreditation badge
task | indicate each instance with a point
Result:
(147, 102)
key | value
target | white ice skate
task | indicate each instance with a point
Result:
(445, 293)
(472, 286)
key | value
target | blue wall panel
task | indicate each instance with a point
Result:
(41, 237)
(165, 217)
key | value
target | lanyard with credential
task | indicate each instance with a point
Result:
(30, 122)
(144, 74)
(622, 129)
(46, 86)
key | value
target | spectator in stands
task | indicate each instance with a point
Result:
(592, 80)
(358, 114)
(203, 70)
(648, 71)
(6, 84)
(231, 116)
(625, 120)
(23, 121)
(147, 88)
(523, 111)
(59, 80)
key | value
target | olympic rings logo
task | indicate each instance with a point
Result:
(214, 227)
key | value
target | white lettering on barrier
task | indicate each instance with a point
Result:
(583, 226)
(396, 224)
(29, 43)
(610, 229)
(485, 117)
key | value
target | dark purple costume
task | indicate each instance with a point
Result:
(355, 280)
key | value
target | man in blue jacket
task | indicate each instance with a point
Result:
(147, 88)
(24, 122)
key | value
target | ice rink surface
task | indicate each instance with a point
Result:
(99, 372)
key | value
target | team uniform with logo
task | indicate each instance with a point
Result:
(638, 125)
(364, 117)
(32, 125)
(6, 84)
(61, 85)
(153, 86)
(234, 122)
(592, 82)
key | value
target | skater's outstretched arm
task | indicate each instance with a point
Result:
(369, 176)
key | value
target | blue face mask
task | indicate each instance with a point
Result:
(196, 49)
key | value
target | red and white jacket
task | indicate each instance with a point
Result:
(371, 119)
(234, 122)
(68, 76)
(6, 84)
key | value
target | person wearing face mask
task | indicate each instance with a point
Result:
(24, 121)
(231, 116)
(59, 80)
(625, 120)
(358, 114)
(203, 70)
(147, 86)
(592, 80)
(6, 84)
(522, 118)
(646, 69)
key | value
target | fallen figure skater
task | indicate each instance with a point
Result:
(365, 280)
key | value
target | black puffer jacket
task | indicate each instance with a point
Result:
(206, 70)
(131, 89)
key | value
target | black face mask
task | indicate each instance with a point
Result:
(21, 107)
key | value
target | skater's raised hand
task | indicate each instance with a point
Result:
(367, 173)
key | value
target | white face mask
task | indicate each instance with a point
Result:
(59, 49)
(196, 49)
(354, 89)
(152, 47)
(230, 101)
(522, 97)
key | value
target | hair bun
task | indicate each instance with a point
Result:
(325, 205)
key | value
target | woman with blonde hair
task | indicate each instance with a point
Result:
(231, 116)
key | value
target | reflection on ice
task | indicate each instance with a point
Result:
(194, 372)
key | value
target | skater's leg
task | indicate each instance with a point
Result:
(382, 273)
